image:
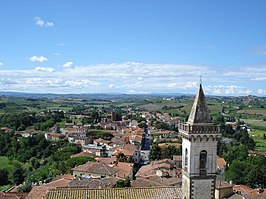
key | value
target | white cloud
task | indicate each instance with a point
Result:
(111, 86)
(1, 64)
(45, 69)
(256, 73)
(259, 79)
(227, 90)
(261, 92)
(68, 64)
(38, 59)
(42, 23)
(131, 77)
(39, 21)
(49, 24)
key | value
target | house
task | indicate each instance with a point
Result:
(161, 172)
(107, 125)
(124, 169)
(178, 160)
(129, 151)
(94, 170)
(93, 183)
(38, 192)
(101, 141)
(223, 190)
(78, 140)
(133, 193)
(54, 136)
(221, 164)
(98, 150)
(135, 139)
(163, 134)
(232, 124)
(13, 195)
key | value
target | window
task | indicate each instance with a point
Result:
(186, 157)
(203, 162)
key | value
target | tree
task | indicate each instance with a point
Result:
(121, 157)
(255, 177)
(18, 175)
(3, 177)
(236, 172)
(155, 152)
(75, 161)
(123, 183)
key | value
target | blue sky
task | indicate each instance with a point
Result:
(133, 46)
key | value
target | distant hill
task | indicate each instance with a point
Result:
(90, 95)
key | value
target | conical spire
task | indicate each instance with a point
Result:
(199, 112)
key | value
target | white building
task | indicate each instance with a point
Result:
(199, 146)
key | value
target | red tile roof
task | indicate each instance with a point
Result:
(124, 151)
(221, 163)
(94, 183)
(38, 192)
(13, 195)
(97, 168)
(125, 193)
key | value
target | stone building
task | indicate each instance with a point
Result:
(199, 145)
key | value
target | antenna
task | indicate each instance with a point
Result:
(200, 76)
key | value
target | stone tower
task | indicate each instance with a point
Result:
(199, 146)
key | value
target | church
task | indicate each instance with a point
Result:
(199, 149)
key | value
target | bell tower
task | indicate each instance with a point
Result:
(199, 146)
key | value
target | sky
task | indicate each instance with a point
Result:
(133, 46)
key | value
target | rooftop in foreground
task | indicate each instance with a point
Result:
(125, 193)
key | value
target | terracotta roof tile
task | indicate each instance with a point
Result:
(38, 192)
(126, 193)
(94, 183)
(96, 167)
(13, 195)
(142, 182)
(220, 163)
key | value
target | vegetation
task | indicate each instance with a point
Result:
(99, 134)
(158, 153)
(34, 159)
(250, 170)
(123, 183)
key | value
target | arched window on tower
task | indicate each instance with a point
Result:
(203, 162)
(186, 157)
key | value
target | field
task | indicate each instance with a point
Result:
(256, 124)
(257, 135)
(253, 111)
(183, 105)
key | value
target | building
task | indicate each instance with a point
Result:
(54, 136)
(161, 172)
(199, 136)
(144, 192)
(94, 170)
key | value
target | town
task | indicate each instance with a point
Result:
(134, 142)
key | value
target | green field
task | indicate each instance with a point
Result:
(256, 124)
(257, 136)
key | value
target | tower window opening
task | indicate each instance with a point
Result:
(203, 162)
(186, 157)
